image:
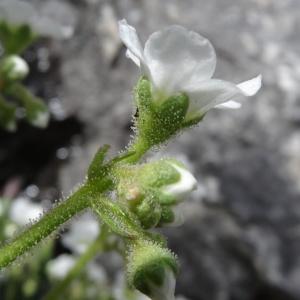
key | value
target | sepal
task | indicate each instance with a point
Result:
(158, 119)
(151, 269)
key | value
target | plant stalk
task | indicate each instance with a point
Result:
(45, 226)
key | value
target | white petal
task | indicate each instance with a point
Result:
(186, 183)
(82, 233)
(59, 267)
(212, 93)
(20, 65)
(229, 105)
(130, 55)
(178, 58)
(23, 211)
(251, 87)
(131, 40)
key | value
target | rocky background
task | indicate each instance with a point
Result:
(241, 239)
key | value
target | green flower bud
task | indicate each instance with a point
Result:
(151, 269)
(14, 68)
(149, 187)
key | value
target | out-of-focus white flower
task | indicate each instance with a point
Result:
(96, 273)
(20, 12)
(10, 229)
(14, 67)
(41, 120)
(184, 186)
(23, 211)
(176, 60)
(59, 267)
(83, 231)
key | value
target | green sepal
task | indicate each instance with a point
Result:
(147, 263)
(193, 121)
(171, 114)
(143, 95)
(123, 156)
(167, 216)
(16, 39)
(117, 217)
(148, 212)
(157, 174)
(157, 119)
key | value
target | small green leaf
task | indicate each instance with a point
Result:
(117, 218)
(15, 39)
(96, 167)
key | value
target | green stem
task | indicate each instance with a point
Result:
(97, 246)
(21, 93)
(45, 226)
(139, 147)
(7, 114)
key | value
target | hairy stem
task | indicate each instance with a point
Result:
(96, 247)
(139, 147)
(45, 226)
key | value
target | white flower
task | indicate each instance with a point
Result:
(186, 183)
(18, 12)
(14, 67)
(23, 211)
(83, 231)
(59, 267)
(177, 60)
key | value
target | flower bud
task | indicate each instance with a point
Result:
(150, 189)
(152, 269)
(168, 178)
(14, 68)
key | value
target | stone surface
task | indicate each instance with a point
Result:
(241, 239)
